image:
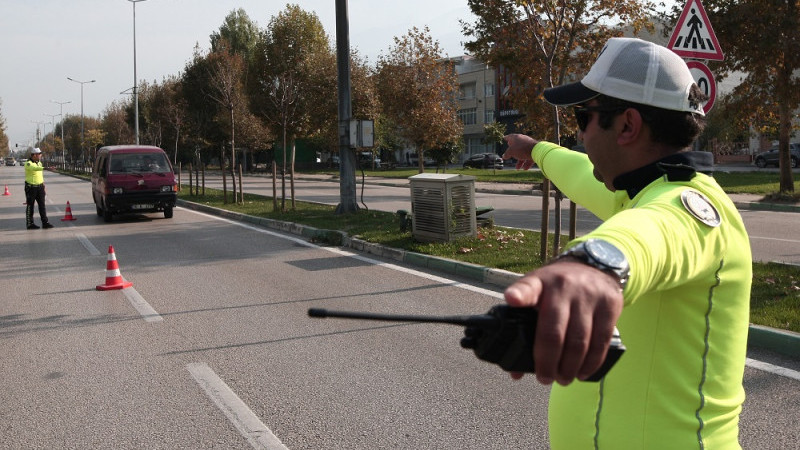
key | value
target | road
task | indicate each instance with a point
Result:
(211, 347)
(774, 236)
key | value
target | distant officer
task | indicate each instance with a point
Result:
(34, 190)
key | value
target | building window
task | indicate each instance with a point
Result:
(475, 145)
(488, 90)
(467, 90)
(488, 116)
(468, 116)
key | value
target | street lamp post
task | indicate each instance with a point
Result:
(53, 125)
(135, 78)
(81, 83)
(63, 144)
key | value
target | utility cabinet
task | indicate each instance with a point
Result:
(442, 207)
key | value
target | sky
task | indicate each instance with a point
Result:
(42, 42)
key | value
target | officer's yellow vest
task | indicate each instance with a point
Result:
(34, 172)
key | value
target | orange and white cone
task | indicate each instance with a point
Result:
(114, 278)
(68, 214)
(6, 192)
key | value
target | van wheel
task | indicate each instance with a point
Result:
(107, 216)
(168, 212)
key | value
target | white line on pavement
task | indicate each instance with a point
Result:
(771, 368)
(148, 313)
(242, 417)
(88, 245)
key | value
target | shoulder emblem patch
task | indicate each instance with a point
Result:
(700, 207)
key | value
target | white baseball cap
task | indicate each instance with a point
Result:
(634, 70)
(36, 150)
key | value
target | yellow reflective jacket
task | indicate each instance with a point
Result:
(34, 172)
(686, 315)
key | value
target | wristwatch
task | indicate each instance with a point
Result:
(601, 255)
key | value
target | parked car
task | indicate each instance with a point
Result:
(133, 179)
(413, 160)
(770, 157)
(484, 161)
(11, 161)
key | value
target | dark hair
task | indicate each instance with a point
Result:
(674, 128)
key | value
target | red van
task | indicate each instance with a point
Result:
(133, 179)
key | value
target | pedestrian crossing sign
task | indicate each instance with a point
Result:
(693, 37)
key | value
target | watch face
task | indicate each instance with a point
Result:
(605, 253)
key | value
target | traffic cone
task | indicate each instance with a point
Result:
(68, 214)
(114, 278)
(6, 192)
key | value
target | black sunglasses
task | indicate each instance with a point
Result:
(582, 113)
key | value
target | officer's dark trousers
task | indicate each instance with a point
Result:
(34, 193)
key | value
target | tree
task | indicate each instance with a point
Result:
(446, 152)
(283, 91)
(418, 88)
(544, 44)
(760, 39)
(226, 71)
(202, 129)
(3, 137)
(174, 110)
(114, 124)
(237, 34)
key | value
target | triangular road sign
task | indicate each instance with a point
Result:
(693, 37)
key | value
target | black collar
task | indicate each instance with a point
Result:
(677, 167)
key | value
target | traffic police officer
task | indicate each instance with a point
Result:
(34, 190)
(670, 266)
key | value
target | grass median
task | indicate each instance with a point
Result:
(775, 297)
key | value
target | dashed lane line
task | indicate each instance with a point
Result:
(148, 313)
(240, 415)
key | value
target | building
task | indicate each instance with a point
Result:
(477, 103)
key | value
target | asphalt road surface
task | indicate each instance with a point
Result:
(212, 347)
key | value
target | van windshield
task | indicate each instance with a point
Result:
(138, 163)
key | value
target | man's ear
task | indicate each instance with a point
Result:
(630, 126)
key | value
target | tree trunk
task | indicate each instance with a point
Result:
(784, 131)
(283, 172)
(224, 179)
(291, 174)
(233, 162)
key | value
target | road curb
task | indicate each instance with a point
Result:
(780, 341)
(762, 206)
(783, 342)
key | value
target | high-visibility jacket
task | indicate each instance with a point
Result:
(685, 320)
(34, 172)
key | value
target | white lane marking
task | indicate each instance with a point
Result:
(750, 362)
(147, 312)
(88, 245)
(774, 239)
(771, 368)
(240, 415)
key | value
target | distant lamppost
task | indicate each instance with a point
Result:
(53, 125)
(81, 83)
(63, 144)
(135, 78)
(38, 124)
